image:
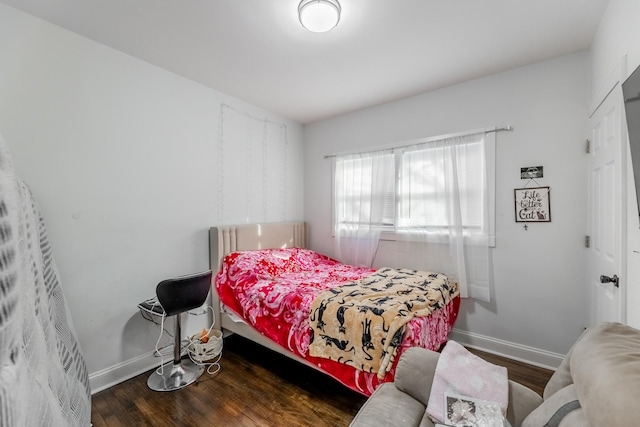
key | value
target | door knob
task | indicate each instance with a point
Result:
(613, 280)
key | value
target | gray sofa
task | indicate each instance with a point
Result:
(596, 385)
(404, 401)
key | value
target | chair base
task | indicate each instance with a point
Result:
(175, 376)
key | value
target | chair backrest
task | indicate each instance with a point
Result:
(183, 293)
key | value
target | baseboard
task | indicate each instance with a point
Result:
(123, 371)
(519, 352)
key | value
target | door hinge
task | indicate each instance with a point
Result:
(587, 147)
(587, 241)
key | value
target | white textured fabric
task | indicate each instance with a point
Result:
(364, 185)
(43, 376)
(443, 203)
(437, 202)
(10, 280)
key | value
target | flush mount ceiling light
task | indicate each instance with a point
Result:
(319, 16)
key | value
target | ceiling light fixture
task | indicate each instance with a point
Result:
(319, 16)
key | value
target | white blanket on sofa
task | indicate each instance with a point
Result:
(460, 372)
(43, 376)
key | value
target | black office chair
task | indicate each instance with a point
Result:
(177, 296)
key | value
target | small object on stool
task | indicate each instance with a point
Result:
(177, 296)
(151, 306)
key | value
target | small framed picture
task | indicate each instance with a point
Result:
(531, 172)
(532, 204)
(464, 411)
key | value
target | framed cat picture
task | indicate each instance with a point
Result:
(533, 204)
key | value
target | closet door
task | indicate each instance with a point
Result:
(607, 210)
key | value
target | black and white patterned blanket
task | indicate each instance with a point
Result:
(362, 323)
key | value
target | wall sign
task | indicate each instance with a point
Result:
(532, 204)
(531, 172)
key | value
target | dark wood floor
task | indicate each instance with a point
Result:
(531, 376)
(256, 387)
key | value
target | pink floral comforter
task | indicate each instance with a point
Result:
(273, 289)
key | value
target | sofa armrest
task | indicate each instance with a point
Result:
(389, 406)
(415, 371)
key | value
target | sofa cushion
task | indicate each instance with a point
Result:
(605, 367)
(522, 401)
(562, 376)
(415, 371)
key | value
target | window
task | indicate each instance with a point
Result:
(437, 191)
(426, 178)
(428, 186)
(364, 189)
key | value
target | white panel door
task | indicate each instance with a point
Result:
(605, 264)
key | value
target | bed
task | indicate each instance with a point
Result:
(237, 252)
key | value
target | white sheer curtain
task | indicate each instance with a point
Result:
(364, 203)
(443, 209)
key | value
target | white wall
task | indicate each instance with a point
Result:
(537, 309)
(617, 37)
(122, 157)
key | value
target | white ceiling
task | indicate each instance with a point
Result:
(382, 50)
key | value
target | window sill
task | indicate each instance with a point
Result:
(394, 236)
